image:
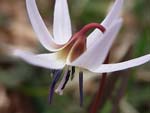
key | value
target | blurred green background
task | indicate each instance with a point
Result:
(24, 88)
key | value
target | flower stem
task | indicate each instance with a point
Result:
(97, 102)
(120, 92)
(99, 94)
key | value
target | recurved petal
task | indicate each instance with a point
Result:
(112, 16)
(49, 61)
(39, 27)
(96, 54)
(62, 23)
(105, 68)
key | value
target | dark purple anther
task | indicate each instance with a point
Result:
(56, 77)
(81, 87)
(72, 72)
(53, 72)
(66, 80)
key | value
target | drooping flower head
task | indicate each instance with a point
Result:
(75, 50)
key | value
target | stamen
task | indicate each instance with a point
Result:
(59, 88)
(81, 87)
(66, 80)
(72, 72)
(53, 72)
(55, 79)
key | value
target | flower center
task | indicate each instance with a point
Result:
(72, 50)
(77, 44)
(79, 40)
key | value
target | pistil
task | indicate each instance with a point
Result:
(66, 80)
(61, 84)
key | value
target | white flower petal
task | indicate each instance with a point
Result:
(113, 14)
(39, 27)
(105, 68)
(107, 22)
(62, 24)
(49, 61)
(96, 54)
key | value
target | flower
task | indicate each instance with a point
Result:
(70, 51)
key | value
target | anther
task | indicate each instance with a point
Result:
(72, 72)
(54, 81)
(81, 87)
(66, 80)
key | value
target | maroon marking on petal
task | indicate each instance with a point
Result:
(85, 29)
(90, 26)
(77, 44)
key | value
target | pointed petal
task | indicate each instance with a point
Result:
(105, 68)
(39, 27)
(49, 61)
(107, 22)
(62, 24)
(113, 13)
(97, 53)
(94, 36)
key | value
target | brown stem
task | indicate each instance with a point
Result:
(99, 94)
(110, 86)
(97, 102)
(120, 92)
